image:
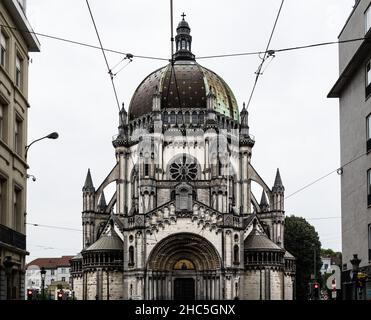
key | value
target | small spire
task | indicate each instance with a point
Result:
(278, 181)
(88, 186)
(102, 205)
(183, 15)
(264, 203)
(278, 186)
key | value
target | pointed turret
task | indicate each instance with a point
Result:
(88, 185)
(102, 205)
(123, 136)
(278, 186)
(264, 206)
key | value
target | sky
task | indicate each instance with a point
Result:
(296, 127)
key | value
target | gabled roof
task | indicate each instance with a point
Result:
(51, 263)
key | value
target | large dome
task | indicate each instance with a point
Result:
(185, 85)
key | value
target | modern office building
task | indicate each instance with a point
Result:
(353, 88)
(14, 106)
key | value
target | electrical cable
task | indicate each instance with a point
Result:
(104, 55)
(52, 227)
(80, 43)
(338, 170)
(266, 53)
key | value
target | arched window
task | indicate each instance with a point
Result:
(173, 118)
(236, 254)
(183, 44)
(201, 118)
(165, 117)
(194, 118)
(146, 170)
(131, 256)
(220, 168)
(187, 118)
(179, 119)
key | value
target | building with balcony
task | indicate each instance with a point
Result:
(15, 46)
(353, 88)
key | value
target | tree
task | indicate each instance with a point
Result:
(301, 240)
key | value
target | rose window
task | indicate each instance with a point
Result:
(182, 170)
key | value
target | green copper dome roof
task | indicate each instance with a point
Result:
(186, 85)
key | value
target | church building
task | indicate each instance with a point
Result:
(183, 222)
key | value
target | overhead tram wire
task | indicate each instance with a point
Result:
(308, 46)
(105, 57)
(266, 55)
(338, 170)
(227, 55)
(52, 227)
(81, 43)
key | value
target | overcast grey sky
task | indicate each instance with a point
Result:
(295, 126)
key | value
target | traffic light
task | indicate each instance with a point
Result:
(29, 294)
(60, 295)
(315, 290)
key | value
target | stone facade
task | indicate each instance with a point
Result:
(14, 107)
(183, 222)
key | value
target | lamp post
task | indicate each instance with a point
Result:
(355, 264)
(53, 135)
(42, 272)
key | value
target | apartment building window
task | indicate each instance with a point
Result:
(368, 78)
(369, 242)
(18, 135)
(2, 121)
(369, 187)
(64, 279)
(3, 191)
(18, 71)
(52, 272)
(17, 205)
(368, 18)
(3, 49)
(368, 124)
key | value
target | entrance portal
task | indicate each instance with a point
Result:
(184, 289)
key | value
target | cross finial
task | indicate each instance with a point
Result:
(183, 15)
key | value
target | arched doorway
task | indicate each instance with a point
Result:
(183, 266)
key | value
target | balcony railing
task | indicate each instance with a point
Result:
(12, 237)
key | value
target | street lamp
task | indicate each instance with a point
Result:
(53, 135)
(42, 272)
(355, 264)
